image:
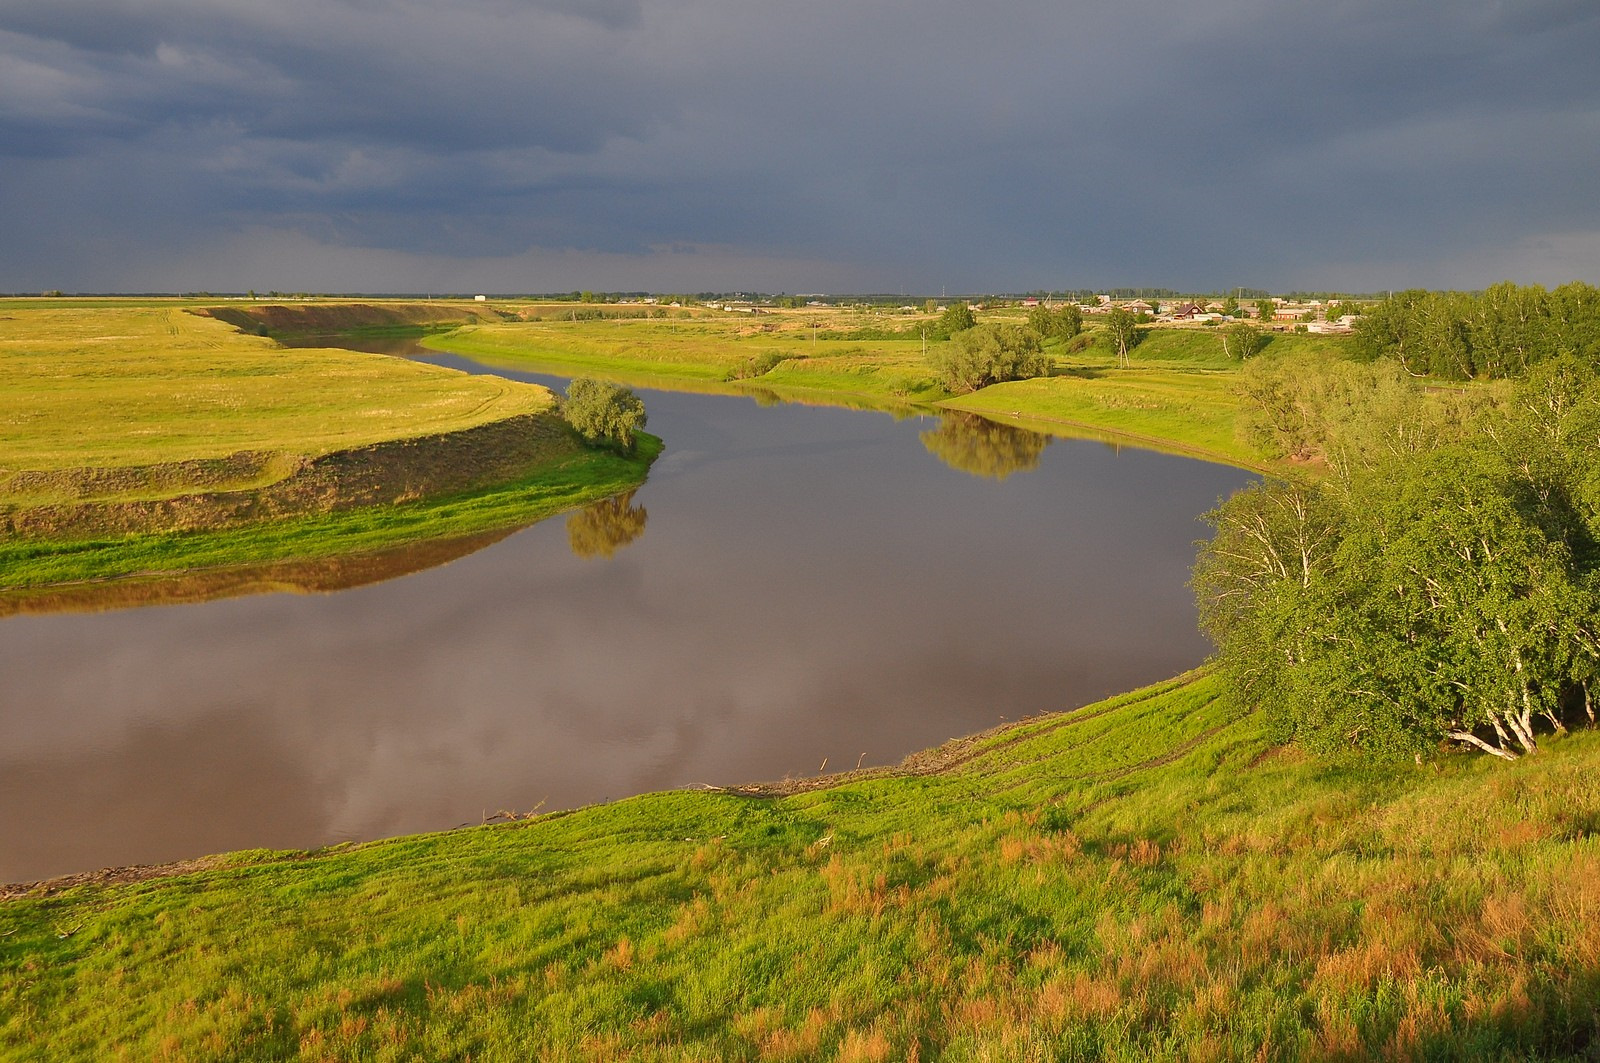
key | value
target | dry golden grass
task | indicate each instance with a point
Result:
(143, 385)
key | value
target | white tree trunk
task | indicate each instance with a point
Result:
(1472, 739)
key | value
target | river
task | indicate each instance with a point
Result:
(794, 585)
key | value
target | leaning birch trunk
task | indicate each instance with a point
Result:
(1472, 739)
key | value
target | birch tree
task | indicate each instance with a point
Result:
(1122, 326)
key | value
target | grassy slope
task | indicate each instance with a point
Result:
(1175, 393)
(150, 383)
(1143, 876)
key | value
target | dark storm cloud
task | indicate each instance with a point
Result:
(881, 143)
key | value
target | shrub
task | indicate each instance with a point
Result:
(604, 413)
(988, 354)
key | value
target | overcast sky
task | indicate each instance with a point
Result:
(867, 145)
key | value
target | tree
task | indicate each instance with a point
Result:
(1122, 326)
(1063, 322)
(982, 447)
(1265, 308)
(957, 317)
(604, 413)
(1230, 306)
(1241, 340)
(604, 528)
(1265, 570)
(988, 354)
(1503, 331)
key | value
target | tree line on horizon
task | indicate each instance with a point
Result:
(1501, 332)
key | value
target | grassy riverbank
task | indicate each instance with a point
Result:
(561, 482)
(140, 438)
(1143, 877)
(1176, 394)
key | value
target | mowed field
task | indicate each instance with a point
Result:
(146, 383)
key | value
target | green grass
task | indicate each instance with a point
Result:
(108, 403)
(149, 383)
(701, 354)
(1177, 393)
(578, 478)
(1144, 878)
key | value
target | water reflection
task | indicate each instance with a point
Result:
(311, 576)
(982, 447)
(812, 586)
(607, 526)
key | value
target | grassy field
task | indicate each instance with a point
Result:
(705, 352)
(1177, 393)
(150, 383)
(115, 415)
(1143, 878)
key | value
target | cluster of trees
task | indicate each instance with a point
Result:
(604, 414)
(1501, 332)
(957, 317)
(1060, 322)
(1442, 584)
(1347, 415)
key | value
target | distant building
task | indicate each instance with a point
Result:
(480, 298)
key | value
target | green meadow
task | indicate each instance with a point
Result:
(1177, 393)
(1148, 877)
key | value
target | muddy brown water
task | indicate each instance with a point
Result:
(793, 585)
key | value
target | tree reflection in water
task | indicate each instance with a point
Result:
(602, 529)
(982, 447)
